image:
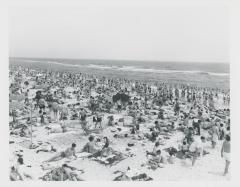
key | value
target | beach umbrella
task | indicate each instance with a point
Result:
(121, 96)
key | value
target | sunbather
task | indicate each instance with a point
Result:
(69, 152)
(18, 172)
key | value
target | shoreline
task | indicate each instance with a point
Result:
(191, 78)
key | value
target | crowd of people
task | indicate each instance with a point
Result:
(156, 111)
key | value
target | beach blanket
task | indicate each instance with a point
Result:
(113, 158)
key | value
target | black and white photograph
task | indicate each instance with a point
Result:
(119, 93)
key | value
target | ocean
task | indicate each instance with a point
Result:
(213, 75)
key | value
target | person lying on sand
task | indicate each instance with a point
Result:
(46, 147)
(124, 176)
(69, 152)
(62, 128)
(62, 173)
(130, 175)
(225, 153)
(18, 172)
(14, 176)
(24, 131)
(71, 175)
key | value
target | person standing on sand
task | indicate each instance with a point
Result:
(227, 132)
(55, 108)
(177, 107)
(83, 116)
(119, 106)
(221, 131)
(225, 153)
(98, 121)
(196, 149)
(215, 135)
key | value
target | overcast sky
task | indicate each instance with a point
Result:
(159, 33)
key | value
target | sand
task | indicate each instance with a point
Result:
(209, 167)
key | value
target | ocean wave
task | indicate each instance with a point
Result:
(150, 70)
(132, 68)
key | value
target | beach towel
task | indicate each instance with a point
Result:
(113, 158)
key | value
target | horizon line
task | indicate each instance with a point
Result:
(159, 61)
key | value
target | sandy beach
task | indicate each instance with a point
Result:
(74, 94)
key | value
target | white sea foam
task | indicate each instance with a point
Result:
(133, 68)
(150, 70)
